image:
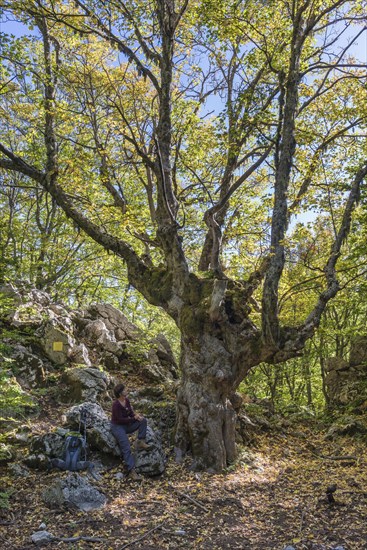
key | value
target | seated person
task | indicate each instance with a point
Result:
(124, 421)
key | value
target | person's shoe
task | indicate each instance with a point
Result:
(142, 445)
(133, 476)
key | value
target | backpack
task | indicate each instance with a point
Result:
(75, 454)
(75, 450)
(75, 446)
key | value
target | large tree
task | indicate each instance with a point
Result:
(155, 116)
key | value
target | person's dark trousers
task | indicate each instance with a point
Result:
(120, 433)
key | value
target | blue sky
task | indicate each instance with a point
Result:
(358, 50)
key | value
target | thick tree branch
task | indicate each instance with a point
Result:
(332, 284)
(295, 338)
(138, 271)
(17, 164)
(167, 203)
(287, 146)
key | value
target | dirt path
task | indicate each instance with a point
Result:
(274, 497)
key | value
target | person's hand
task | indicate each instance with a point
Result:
(138, 417)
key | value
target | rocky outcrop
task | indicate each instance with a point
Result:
(117, 325)
(24, 304)
(79, 354)
(358, 352)
(99, 335)
(118, 342)
(49, 444)
(7, 453)
(164, 354)
(75, 349)
(346, 425)
(99, 438)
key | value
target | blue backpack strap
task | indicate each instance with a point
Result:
(83, 447)
(75, 460)
(67, 452)
(72, 452)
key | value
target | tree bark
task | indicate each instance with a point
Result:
(206, 419)
(219, 345)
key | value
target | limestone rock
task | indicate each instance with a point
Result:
(99, 434)
(346, 425)
(345, 382)
(109, 360)
(26, 314)
(149, 392)
(50, 444)
(151, 462)
(6, 453)
(116, 340)
(31, 369)
(86, 383)
(25, 304)
(165, 355)
(59, 310)
(98, 335)
(114, 320)
(153, 372)
(336, 364)
(41, 538)
(18, 470)
(358, 351)
(40, 297)
(37, 461)
(79, 354)
(56, 342)
(75, 490)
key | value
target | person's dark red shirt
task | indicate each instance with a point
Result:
(122, 415)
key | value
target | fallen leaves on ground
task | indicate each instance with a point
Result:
(274, 496)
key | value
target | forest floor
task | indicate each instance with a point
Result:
(273, 497)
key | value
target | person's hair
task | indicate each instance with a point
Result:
(117, 390)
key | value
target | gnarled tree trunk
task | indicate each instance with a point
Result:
(205, 416)
(218, 346)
